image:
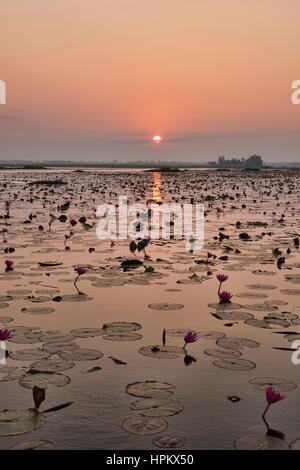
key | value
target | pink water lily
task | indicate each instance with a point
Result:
(4, 335)
(190, 337)
(9, 265)
(272, 397)
(80, 270)
(221, 278)
(224, 296)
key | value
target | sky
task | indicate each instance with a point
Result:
(95, 80)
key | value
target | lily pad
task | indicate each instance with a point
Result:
(211, 335)
(222, 353)
(34, 445)
(44, 379)
(52, 365)
(165, 306)
(87, 332)
(81, 355)
(237, 343)
(169, 442)
(29, 354)
(150, 389)
(161, 352)
(6, 319)
(280, 385)
(235, 364)
(121, 326)
(157, 407)
(38, 310)
(144, 426)
(15, 422)
(115, 335)
(252, 442)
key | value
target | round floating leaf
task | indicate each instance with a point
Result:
(121, 326)
(225, 306)
(252, 442)
(290, 291)
(275, 303)
(161, 352)
(87, 332)
(57, 347)
(34, 445)
(233, 316)
(295, 444)
(75, 298)
(157, 407)
(280, 385)
(261, 287)
(144, 426)
(179, 332)
(29, 354)
(52, 365)
(15, 422)
(235, 364)
(150, 389)
(20, 292)
(115, 335)
(251, 295)
(282, 316)
(212, 335)
(6, 319)
(38, 310)
(261, 307)
(237, 343)
(165, 306)
(169, 442)
(44, 379)
(11, 373)
(56, 336)
(81, 355)
(267, 323)
(222, 353)
(29, 337)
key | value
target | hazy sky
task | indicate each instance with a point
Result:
(97, 79)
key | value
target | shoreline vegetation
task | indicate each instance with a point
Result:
(254, 162)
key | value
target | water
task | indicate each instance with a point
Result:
(209, 420)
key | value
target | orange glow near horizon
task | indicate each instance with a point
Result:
(87, 80)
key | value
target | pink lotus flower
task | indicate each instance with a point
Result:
(273, 396)
(9, 265)
(224, 296)
(190, 337)
(4, 335)
(209, 255)
(80, 271)
(222, 277)
(73, 222)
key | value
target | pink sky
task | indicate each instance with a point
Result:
(97, 79)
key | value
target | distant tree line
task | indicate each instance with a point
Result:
(255, 161)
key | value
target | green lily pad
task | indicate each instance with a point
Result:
(15, 422)
(144, 426)
(150, 389)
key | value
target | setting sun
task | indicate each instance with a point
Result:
(157, 139)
